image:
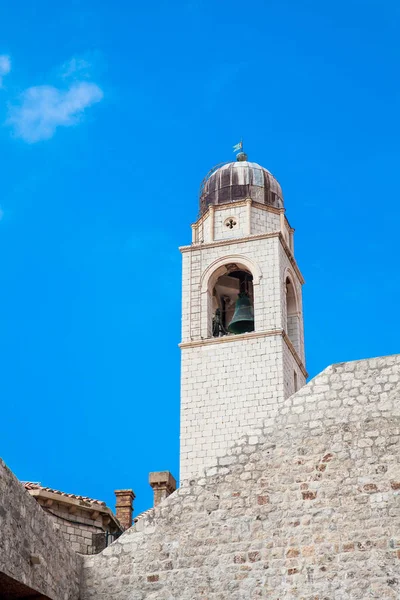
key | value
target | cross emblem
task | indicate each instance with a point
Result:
(230, 223)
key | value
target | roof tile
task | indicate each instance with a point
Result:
(30, 485)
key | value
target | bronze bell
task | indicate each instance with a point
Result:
(243, 317)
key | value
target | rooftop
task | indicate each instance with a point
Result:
(30, 485)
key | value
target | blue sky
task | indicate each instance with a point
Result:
(111, 115)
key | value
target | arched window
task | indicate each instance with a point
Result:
(232, 299)
(292, 315)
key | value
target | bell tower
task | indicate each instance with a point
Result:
(242, 319)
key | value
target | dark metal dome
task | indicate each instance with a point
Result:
(235, 181)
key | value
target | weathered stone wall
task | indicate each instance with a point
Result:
(83, 534)
(26, 531)
(309, 509)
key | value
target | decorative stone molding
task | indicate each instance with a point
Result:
(231, 222)
(218, 268)
(231, 338)
(247, 238)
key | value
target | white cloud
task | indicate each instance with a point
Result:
(76, 67)
(44, 108)
(5, 67)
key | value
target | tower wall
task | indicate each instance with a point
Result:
(288, 268)
(251, 219)
(294, 376)
(230, 384)
(227, 389)
(200, 262)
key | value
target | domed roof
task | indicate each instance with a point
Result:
(235, 181)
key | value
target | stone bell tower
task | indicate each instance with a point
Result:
(231, 382)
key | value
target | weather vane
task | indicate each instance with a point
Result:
(240, 156)
(238, 147)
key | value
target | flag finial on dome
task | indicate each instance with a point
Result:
(241, 156)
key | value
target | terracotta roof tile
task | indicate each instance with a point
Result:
(30, 485)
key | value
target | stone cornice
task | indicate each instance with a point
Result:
(248, 238)
(230, 338)
(292, 230)
(266, 207)
(216, 207)
(226, 339)
(247, 336)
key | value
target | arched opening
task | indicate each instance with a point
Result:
(292, 315)
(232, 302)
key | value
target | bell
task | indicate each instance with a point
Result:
(243, 317)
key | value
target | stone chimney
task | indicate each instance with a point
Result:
(124, 507)
(163, 484)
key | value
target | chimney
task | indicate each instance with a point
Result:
(124, 507)
(163, 484)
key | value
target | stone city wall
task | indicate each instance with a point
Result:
(32, 552)
(308, 509)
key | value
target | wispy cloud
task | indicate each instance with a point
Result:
(76, 67)
(5, 67)
(42, 109)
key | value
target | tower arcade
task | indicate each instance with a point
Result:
(241, 257)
